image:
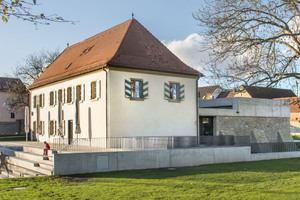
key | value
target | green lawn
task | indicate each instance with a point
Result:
(274, 179)
(296, 137)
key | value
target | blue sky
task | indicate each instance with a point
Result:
(170, 21)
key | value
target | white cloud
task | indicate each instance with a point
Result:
(188, 50)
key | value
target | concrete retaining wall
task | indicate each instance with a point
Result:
(79, 163)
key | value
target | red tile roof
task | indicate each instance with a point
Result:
(127, 45)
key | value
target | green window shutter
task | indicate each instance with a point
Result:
(166, 91)
(127, 88)
(145, 90)
(181, 92)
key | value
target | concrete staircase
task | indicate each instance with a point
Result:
(27, 162)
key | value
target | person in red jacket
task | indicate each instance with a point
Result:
(47, 147)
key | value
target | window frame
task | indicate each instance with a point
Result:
(12, 115)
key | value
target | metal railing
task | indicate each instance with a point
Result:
(274, 147)
(146, 143)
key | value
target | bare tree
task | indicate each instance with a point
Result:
(257, 39)
(22, 10)
(18, 97)
(34, 65)
(26, 73)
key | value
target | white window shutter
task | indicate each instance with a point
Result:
(73, 93)
(55, 98)
(98, 89)
(89, 91)
(128, 89)
(43, 128)
(82, 92)
(63, 95)
(181, 92)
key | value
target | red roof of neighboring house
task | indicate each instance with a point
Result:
(294, 103)
(128, 45)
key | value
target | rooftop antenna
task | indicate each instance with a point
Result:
(132, 15)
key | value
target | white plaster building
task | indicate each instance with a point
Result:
(128, 84)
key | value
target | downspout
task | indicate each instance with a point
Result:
(106, 113)
(197, 111)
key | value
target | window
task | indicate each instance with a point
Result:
(93, 90)
(78, 92)
(12, 115)
(41, 100)
(136, 89)
(69, 95)
(174, 91)
(34, 101)
(51, 127)
(51, 98)
(60, 96)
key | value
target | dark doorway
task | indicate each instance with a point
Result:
(70, 131)
(206, 126)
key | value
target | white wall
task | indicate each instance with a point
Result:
(98, 107)
(153, 116)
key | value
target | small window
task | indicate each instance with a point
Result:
(136, 92)
(34, 101)
(78, 92)
(69, 94)
(12, 115)
(51, 127)
(41, 100)
(51, 98)
(174, 91)
(60, 99)
(93, 90)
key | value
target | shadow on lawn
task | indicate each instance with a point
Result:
(269, 166)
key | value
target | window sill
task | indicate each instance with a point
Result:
(174, 101)
(137, 99)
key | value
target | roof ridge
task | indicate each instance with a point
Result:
(121, 43)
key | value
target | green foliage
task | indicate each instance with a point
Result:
(273, 179)
(22, 10)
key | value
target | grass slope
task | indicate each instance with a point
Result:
(274, 179)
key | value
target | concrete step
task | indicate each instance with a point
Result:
(34, 157)
(9, 175)
(37, 151)
(24, 172)
(28, 164)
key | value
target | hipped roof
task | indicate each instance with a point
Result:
(127, 45)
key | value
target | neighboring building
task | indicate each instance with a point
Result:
(128, 84)
(209, 92)
(295, 113)
(263, 92)
(264, 120)
(11, 119)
